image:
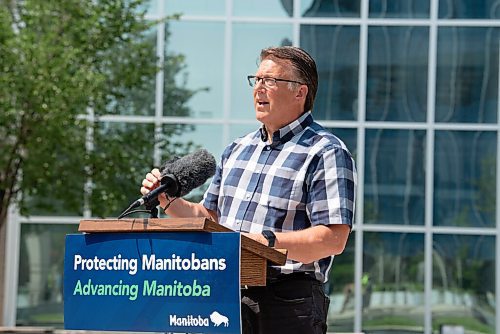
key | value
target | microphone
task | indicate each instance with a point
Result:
(178, 177)
(190, 171)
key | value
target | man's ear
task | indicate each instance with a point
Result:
(302, 92)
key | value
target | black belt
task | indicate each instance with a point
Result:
(297, 279)
(274, 278)
(297, 276)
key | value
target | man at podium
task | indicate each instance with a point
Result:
(291, 185)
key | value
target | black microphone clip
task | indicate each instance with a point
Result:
(169, 185)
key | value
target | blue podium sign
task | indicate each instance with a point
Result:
(158, 282)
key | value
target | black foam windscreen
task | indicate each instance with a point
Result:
(191, 171)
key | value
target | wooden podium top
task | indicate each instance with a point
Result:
(276, 256)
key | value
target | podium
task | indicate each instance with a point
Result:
(254, 255)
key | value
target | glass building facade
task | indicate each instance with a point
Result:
(412, 88)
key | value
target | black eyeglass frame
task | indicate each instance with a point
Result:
(250, 77)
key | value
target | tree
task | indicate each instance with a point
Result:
(58, 61)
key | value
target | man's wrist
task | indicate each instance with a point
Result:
(270, 237)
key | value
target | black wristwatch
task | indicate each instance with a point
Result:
(270, 236)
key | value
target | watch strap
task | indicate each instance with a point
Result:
(270, 237)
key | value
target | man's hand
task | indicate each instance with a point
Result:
(152, 181)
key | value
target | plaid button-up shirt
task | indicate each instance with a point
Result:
(305, 177)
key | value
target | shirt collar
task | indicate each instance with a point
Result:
(287, 132)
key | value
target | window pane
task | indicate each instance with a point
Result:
(337, 8)
(122, 155)
(239, 130)
(207, 82)
(340, 287)
(397, 74)
(399, 8)
(336, 52)
(467, 75)
(41, 267)
(183, 138)
(195, 7)
(395, 177)
(248, 41)
(464, 178)
(274, 8)
(140, 99)
(393, 282)
(150, 7)
(469, 9)
(464, 282)
(349, 137)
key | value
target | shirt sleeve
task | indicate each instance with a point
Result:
(331, 188)
(211, 197)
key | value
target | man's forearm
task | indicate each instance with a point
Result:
(181, 208)
(310, 244)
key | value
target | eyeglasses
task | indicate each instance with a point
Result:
(268, 81)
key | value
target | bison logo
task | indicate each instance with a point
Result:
(218, 319)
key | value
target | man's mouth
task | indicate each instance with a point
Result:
(261, 103)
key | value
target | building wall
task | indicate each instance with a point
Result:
(410, 86)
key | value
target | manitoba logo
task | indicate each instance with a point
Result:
(198, 321)
(189, 321)
(219, 319)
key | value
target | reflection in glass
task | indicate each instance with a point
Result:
(140, 100)
(330, 8)
(150, 7)
(117, 145)
(399, 8)
(179, 139)
(273, 8)
(397, 74)
(464, 178)
(395, 177)
(248, 41)
(393, 282)
(349, 137)
(340, 287)
(336, 52)
(40, 281)
(464, 282)
(195, 7)
(239, 130)
(200, 77)
(467, 75)
(469, 9)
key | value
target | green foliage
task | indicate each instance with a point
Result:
(58, 60)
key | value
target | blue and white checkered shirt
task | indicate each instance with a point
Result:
(306, 177)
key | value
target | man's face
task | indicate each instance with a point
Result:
(277, 106)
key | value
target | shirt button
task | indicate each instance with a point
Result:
(248, 196)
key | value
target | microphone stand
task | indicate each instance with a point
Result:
(152, 207)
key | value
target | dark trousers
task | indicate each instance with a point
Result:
(293, 303)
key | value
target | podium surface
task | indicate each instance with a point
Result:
(254, 255)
